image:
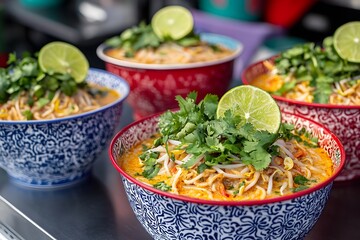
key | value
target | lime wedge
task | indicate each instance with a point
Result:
(347, 41)
(61, 57)
(254, 105)
(173, 21)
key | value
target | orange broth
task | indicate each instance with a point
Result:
(110, 96)
(132, 165)
(173, 54)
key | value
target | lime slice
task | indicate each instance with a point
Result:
(254, 105)
(173, 21)
(61, 57)
(347, 41)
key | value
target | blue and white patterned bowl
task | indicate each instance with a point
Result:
(59, 152)
(167, 216)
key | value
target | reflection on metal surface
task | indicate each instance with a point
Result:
(20, 224)
(6, 233)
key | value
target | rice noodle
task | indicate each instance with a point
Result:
(60, 106)
(263, 192)
(343, 93)
(171, 53)
(253, 181)
(175, 180)
(237, 180)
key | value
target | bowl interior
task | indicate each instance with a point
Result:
(99, 77)
(212, 38)
(143, 129)
(258, 68)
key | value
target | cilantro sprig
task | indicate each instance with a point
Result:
(320, 65)
(218, 140)
(143, 36)
(287, 132)
(24, 75)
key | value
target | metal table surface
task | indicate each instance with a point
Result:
(97, 208)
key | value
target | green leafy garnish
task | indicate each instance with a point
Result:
(162, 186)
(302, 182)
(288, 132)
(24, 75)
(320, 65)
(28, 114)
(196, 127)
(143, 36)
(217, 140)
(151, 167)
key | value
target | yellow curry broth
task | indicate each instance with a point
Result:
(110, 96)
(268, 82)
(173, 54)
(132, 165)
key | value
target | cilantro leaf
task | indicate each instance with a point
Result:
(301, 180)
(162, 186)
(151, 167)
(24, 75)
(320, 65)
(143, 36)
(28, 114)
(196, 126)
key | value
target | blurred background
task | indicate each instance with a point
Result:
(270, 25)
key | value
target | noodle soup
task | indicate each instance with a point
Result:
(61, 105)
(344, 92)
(59, 152)
(199, 218)
(171, 53)
(234, 181)
(30, 92)
(158, 68)
(200, 156)
(341, 119)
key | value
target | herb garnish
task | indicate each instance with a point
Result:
(218, 140)
(143, 36)
(151, 167)
(320, 65)
(302, 183)
(162, 186)
(24, 75)
(287, 132)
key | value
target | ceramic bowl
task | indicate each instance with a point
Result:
(60, 152)
(168, 216)
(153, 86)
(343, 121)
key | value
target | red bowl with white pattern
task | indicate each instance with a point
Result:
(153, 87)
(342, 120)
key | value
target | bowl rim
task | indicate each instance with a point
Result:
(291, 101)
(222, 202)
(123, 63)
(122, 98)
